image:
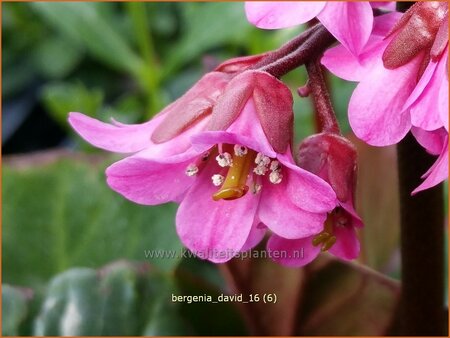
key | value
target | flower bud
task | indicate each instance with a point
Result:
(416, 32)
(333, 158)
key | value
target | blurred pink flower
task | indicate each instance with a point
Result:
(349, 22)
(333, 158)
(223, 151)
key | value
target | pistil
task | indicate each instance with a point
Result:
(235, 183)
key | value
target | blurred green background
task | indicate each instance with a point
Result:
(73, 251)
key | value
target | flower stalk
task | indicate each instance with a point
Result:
(321, 98)
(422, 245)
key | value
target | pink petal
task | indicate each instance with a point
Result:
(292, 252)
(441, 40)
(443, 93)
(387, 5)
(347, 66)
(281, 14)
(305, 190)
(347, 243)
(118, 138)
(350, 22)
(245, 130)
(375, 108)
(432, 141)
(425, 113)
(214, 230)
(150, 181)
(285, 218)
(255, 236)
(437, 173)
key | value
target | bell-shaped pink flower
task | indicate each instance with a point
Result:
(387, 100)
(223, 151)
(249, 180)
(162, 147)
(333, 158)
(349, 22)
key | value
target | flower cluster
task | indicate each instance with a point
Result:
(224, 150)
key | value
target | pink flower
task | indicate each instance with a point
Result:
(223, 151)
(250, 180)
(349, 22)
(390, 98)
(162, 147)
(403, 79)
(332, 158)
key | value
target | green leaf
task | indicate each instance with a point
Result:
(84, 301)
(208, 25)
(64, 214)
(55, 57)
(14, 310)
(85, 25)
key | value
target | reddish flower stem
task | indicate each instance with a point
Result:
(298, 51)
(321, 97)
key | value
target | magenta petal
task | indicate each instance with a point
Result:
(221, 233)
(347, 66)
(350, 22)
(443, 93)
(343, 64)
(437, 173)
(306, 190)
(149, 181)
(432, 141)
(387, 5)
(375, 108)
(119, 137)
(425, 113)
(285, 218)
(281, 14)
(347, 243)
(255, 236)
(245, 130)
(292, 252)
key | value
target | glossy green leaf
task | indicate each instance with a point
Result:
(14, 310)
(59, 213)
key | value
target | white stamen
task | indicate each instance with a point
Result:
(260, 170)
(275, 177)
(224, 160)
(275, 166)
(240, 150)
(191, 170)
(217, 179)
(262, 159)
(256, 188)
